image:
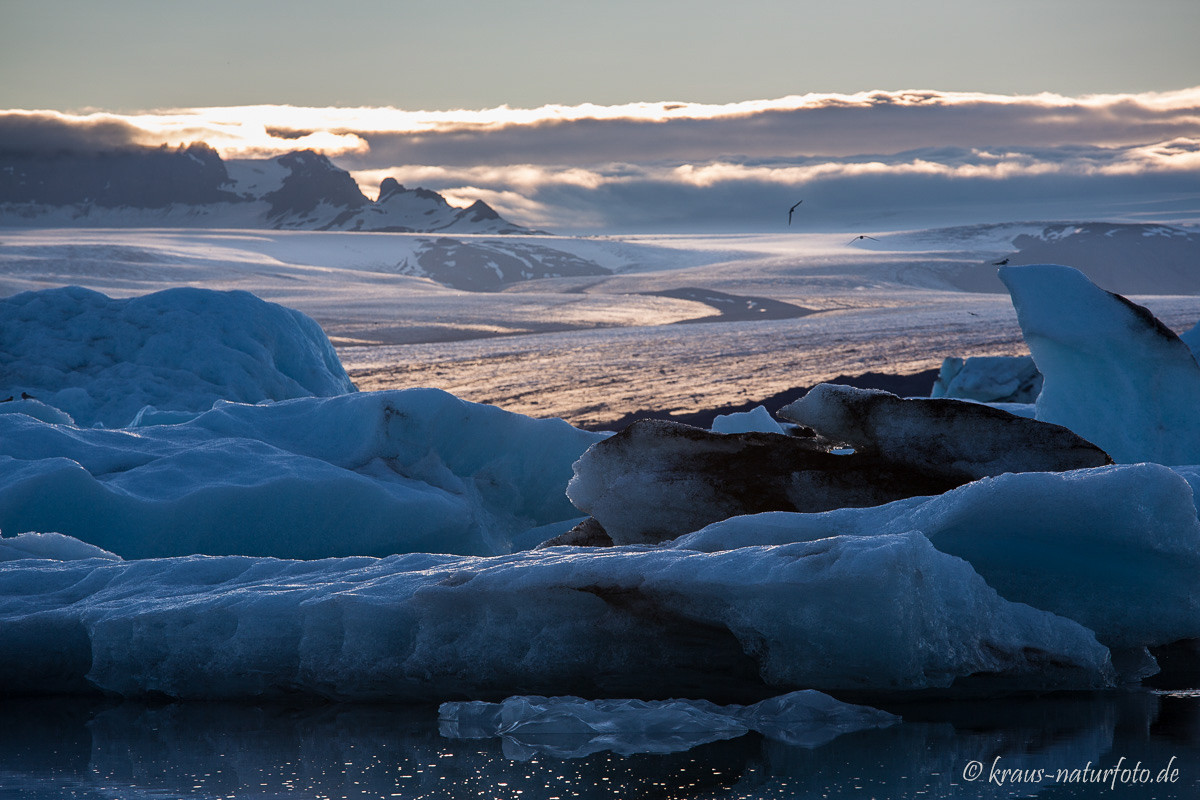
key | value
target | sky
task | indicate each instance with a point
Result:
(630, 115)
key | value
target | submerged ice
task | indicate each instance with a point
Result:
(570, 727)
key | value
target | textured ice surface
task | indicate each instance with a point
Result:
(102, 360)
(572, 726)
(36, 409)
(989, 379)
(1113, 373)
(54, 546)
(1115, 548)
(882, 612)
(365, 473)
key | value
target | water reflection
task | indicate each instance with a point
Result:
(72, 748)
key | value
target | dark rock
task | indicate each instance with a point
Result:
(389, 187)
(480, 211)
(313, 179)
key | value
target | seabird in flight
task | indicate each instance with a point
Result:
(862, 236)
(791, 211)
(1000, 263)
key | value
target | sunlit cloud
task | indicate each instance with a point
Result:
(884, 117)
(662, 163)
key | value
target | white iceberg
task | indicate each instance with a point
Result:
(873, 613)
(365, 473)
(1112, 372)
(989, 379)
(757, 419)
(102, 360)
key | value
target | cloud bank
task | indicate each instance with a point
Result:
(873, 158)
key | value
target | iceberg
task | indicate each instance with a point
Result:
(102, 361)
(1115, 548)
(1113, 373)
(989, 379)
(959, 440)
(757, 419)
(657, 480)
(357, 474)
(571, 727)
(882, 613)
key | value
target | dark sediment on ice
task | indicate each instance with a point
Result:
(915, 385)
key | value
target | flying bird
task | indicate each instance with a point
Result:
(862, 236)
(791, 211)
(1000, 263)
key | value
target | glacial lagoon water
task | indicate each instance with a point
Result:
(1127, 744)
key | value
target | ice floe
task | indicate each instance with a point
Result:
(570, 727)
(989, 379)
(879, 613)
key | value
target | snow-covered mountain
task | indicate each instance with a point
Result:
(1123, 258)
(193, 187)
